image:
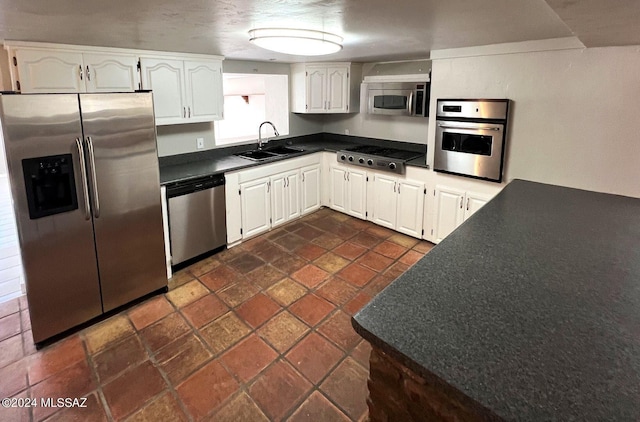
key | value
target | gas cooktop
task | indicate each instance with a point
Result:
(380, 158)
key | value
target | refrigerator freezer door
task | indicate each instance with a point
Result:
(120, 135)
(56, 234)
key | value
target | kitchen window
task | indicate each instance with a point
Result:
(249, 100)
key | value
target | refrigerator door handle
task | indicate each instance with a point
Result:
(94, 182)
(85, 186)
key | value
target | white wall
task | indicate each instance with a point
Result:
(575, 119)
(181, 139)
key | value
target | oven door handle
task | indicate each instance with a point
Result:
(469, 128)
(410, 104)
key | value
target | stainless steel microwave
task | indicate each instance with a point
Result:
(398, 98)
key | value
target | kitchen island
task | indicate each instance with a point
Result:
(529, 311)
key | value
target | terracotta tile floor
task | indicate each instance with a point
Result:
(259, 332)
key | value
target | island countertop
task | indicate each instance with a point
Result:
(531, 308)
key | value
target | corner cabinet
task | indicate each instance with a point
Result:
(184, 91)
(266, 196)
(67, 71)
(453, 207)
(324, 88)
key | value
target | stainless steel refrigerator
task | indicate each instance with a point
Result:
(85, 183)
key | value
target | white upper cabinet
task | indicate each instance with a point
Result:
(58, 71)
(111, 72)
(204, 90)
(338, 89)
(183, 91)
(316, 90)
(325, 87)
(166, 79)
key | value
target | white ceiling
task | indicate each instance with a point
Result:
(373, 30)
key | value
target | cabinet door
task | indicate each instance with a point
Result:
(204, 90)
(338, 89)
(357, 193)
(42, 71)
(410, 208)
(310, 189)
(449, 211)
(338, 192)
(166, 79)
(278, 199)
(292, 190)
(473, 202)
(111, 72)
(256, 207)
(316, 89)
(385, 200)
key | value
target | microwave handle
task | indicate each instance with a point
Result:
(469, 128)
(410, 104)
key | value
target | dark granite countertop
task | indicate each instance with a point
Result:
(222, 160)
(531, 307)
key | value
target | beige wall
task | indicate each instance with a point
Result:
(575, 118)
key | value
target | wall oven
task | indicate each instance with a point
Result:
(470, 138)
(398, 98)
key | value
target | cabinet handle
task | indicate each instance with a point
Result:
(394, 186)
(189, 111)
(268, 186)
(467, 204)
(461, 201)
(328, 105)
(302, 177)
(348, 177)
(88, 74)
(345, 175)
(80, 67)
(286, 182)
(399, 187)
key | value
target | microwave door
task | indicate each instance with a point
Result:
(391, 102)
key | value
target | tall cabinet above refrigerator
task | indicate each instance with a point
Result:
(85, 183)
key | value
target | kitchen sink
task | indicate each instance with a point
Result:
(257, 155)
(283, 150)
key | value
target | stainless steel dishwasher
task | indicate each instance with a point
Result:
(197, 217)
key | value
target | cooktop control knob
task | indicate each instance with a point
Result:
(392, 166)
(361, 160)
(370, 162)
(351, 158)
(343, 157)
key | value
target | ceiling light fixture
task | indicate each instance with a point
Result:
(298, 42)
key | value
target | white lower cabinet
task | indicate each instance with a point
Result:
(310, 189)
(348, 191)
(453, 207)
(255, 199)
(285, 197)
(398, 204)
(269, 195)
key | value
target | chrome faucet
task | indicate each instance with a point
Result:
(275, 131)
